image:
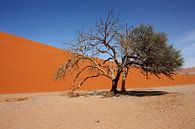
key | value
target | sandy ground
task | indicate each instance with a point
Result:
(140, 109)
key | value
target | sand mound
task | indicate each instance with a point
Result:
(28, 66)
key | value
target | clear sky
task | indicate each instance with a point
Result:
(56, 21)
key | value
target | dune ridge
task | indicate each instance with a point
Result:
(29, 66)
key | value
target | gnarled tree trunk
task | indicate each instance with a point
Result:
(115, 82)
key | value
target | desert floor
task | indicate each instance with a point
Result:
(154, 108)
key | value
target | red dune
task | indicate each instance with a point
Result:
(28, 66)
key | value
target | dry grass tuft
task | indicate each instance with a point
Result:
(14, 99)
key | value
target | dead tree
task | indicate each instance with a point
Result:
(97, 43)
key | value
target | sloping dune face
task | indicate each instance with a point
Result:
(28, 66)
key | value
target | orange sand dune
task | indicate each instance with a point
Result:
(28, 66)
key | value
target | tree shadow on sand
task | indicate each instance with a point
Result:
(138, 93)
(134, 93)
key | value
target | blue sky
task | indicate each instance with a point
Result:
(54, 22)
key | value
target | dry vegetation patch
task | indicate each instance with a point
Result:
(15, 99)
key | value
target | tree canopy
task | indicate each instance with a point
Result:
(150, 51)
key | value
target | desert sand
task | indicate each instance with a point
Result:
(29, 66)
(145, 108)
